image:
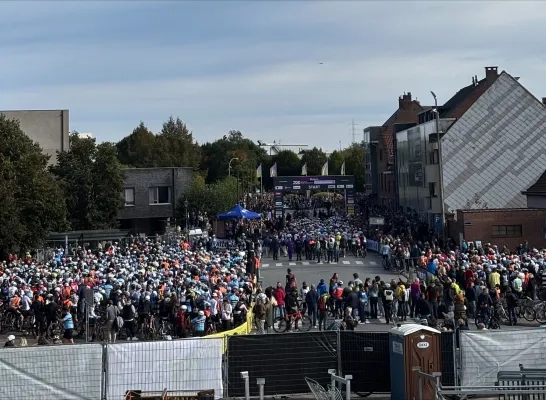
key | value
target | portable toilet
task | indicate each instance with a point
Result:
(413, 345)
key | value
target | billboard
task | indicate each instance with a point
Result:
(328, 182)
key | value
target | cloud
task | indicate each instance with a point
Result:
(254, 66)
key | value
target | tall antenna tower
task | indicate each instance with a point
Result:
(353, 130)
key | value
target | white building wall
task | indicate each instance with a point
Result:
(495, 150)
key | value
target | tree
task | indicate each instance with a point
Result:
(212, 198)
(288, 163)
(92, 180)
(315, 159)
(217, 155)
(32, 203)
(178, 149)
(139, 149)
(355, 164)
(335, 161)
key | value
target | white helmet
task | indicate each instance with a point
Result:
(184, 308)
(201, 313)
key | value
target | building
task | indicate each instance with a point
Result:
(50, 128)
(536, 194)
(150, 196)
(407, 113)
(371, 136)
(492, 135)
(501, 227)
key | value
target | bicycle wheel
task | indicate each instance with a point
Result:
(541, 314)
(479, 320)
(494, 323)
(304, 324)
(529, 313)
(280, 325)
(503, 316)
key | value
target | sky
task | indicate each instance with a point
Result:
(297, 72)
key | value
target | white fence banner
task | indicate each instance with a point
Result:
(178, 365)
(52, 372)
(484, 353)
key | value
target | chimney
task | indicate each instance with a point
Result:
(473, 82)
(491, 73)
(404, 99)
(544, 101)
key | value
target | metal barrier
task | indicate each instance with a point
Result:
(344, 381)
(522, 380)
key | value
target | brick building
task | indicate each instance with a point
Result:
(150, 197)
(407, 113)
(501, 227)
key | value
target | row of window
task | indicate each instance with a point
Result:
(385, 183)
(157, 195)
(507, 230)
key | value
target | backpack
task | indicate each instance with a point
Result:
(322, 304)
(331, 244)
(389, 295)
(127, 312)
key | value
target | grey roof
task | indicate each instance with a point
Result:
(496, 149)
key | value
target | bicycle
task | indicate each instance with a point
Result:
(280, 324)
(492, 323)
(149, 331)
(524, 310)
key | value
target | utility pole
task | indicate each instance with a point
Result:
(440, 170)
(353, 130)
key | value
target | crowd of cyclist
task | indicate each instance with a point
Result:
(150, 289)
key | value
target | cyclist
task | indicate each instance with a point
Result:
(15, 307)
(484, 307)
(291, 305)
(386, 253)
(144, 311)
(363, 245)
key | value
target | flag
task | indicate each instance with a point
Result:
(273, 170)
(324, 170)
(304, 169)
(343, 168)
(259, 171)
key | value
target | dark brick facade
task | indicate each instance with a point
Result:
(407, 113)
(478, 225)
(142, 179)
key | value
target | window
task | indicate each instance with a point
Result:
(129, 196)
(433, 157)
(380, 155)
(160, 195)
(507, 230)
(432, 189)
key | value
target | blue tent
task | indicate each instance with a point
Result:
(238, 212)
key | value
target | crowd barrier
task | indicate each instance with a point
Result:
(484, 353)
(372, 245)
(243, 329)
(107, 372)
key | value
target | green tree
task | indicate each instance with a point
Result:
(139, 149)
(355, 164)
(217, 155)
(32, 203)
(212, 198)
(92, 180)
(315, 159)
(335, 161)
(176, 145)
(288, 163)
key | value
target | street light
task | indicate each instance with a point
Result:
(440, 168)
(229, 165)
(186, 204)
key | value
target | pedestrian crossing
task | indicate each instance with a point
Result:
(273, 263)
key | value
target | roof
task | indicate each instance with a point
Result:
(538, 188)
(408, 329)
(454, 106)
(386, 136)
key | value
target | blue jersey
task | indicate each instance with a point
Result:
(67, 321)
(199, 323)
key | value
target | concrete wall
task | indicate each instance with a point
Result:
(50, 128)
(142, 179)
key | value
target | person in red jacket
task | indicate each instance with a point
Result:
(279, 295)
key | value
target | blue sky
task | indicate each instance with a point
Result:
(254, 65)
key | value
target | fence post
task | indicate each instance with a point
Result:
(455, 358)
(244, 375)
(261, 384)
(339, 366)
(104, 378)
(226, 366)
(348, 387)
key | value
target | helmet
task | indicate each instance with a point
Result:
(340, 283)
(201, 313)
(147, 297)
(184, 308)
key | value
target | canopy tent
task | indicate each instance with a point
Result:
(238, 212)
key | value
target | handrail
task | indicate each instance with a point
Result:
(434, 378)
(344, 381)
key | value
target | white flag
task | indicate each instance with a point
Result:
(324, 169)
